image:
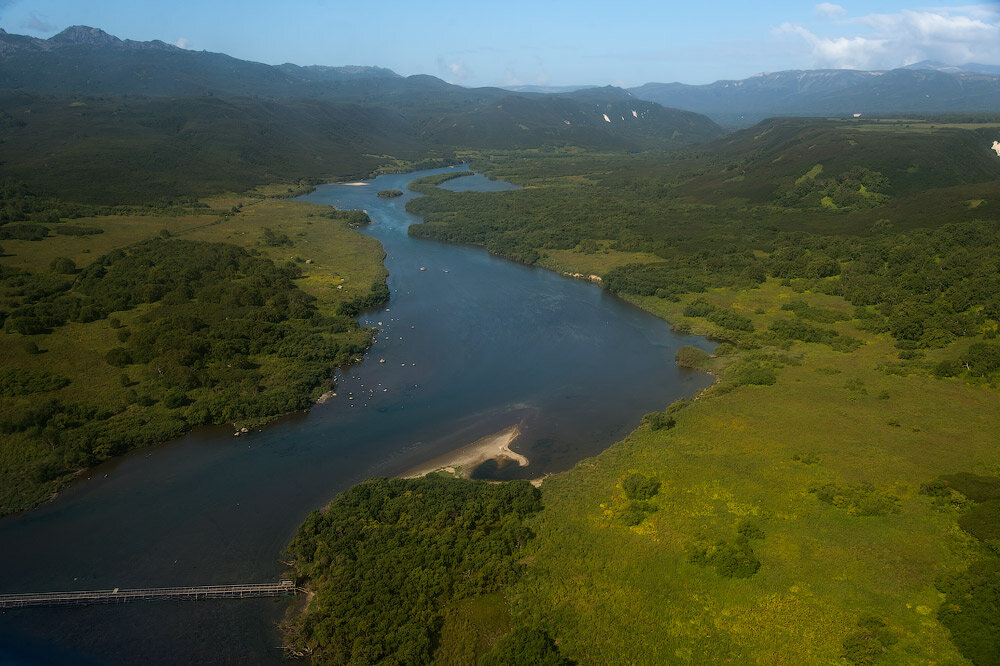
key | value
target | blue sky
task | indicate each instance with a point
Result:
(473, 43)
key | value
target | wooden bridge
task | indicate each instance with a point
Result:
(120, 596)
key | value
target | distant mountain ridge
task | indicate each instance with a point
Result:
(77, 34)
(85, 60)
(90, 117)
(967, 68)
(921, 88)
(528, 88)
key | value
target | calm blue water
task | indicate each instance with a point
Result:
(470, 344)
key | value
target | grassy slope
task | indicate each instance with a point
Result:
(471, 628)
(339, 255)
(77, 351)
(596, 263)
(617, 594)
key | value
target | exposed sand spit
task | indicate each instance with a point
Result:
(462, 461)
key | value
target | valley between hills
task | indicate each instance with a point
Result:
(833, 496)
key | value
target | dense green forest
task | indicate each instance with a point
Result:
(161, 152)
(386, 558)
(156, 151)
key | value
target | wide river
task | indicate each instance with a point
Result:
(468, 344)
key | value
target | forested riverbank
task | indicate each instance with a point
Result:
(146, 326)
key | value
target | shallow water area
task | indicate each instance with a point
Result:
(468, 345)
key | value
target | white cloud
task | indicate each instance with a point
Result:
(841, 52)
(183, 42)
(830, 10)
(454, 69)
(989, 10)
(883, 41)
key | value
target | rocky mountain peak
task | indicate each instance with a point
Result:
(82, 34)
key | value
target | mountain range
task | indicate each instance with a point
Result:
(922, 88)
(87, 61)
(83, 107)
(84, 60)
(79, 107)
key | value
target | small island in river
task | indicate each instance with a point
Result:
(390, 194)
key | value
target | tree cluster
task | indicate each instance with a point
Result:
(207, 332)
(387, 554)
(971, 606)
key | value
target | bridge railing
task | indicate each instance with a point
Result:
(117, 595)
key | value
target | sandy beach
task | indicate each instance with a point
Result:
(461, 462)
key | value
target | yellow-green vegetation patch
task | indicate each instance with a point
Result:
(789, 523)
(103, 234)
(812, 173)
(596, 261)
(471, 628)
(337, 263)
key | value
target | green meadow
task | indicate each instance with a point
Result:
(832, 421)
